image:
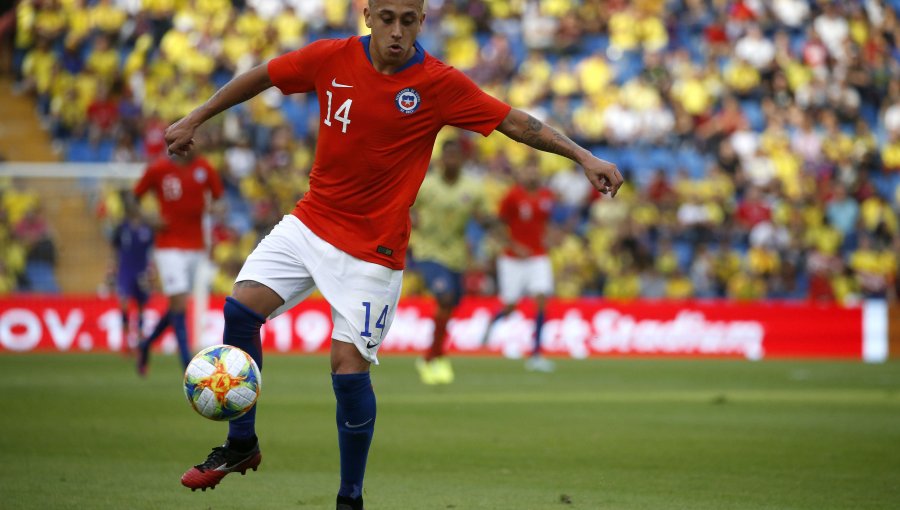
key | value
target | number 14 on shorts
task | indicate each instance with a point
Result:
(379, 324)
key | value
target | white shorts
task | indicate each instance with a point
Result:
(518, 278)
(293, 261)
(178, 269)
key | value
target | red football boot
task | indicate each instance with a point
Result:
(221, 461)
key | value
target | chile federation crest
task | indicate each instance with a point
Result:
(408, 100)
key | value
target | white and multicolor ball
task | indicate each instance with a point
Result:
(222, 382)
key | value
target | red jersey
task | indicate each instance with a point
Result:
(526, 214)
(181, 191)
(376, 135)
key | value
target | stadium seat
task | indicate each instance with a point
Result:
(41, 277)
(694, 162)
(684, 252)
(886, 185)
(595, 43)
(754, 114)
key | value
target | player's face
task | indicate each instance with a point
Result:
(395, 25)
(452, 159)
(530, 176)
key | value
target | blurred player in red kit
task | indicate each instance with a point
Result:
(183, 186)
(523, 269)
(382, 100)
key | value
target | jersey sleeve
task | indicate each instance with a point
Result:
(465, 105)
(145, 183)
(507, 206)
(296, 71)
(215, 182)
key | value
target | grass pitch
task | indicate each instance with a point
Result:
(83, 431)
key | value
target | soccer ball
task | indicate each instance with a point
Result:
(222, 382)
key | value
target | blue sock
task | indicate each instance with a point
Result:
(538, 326)
(356, 426)
(179, 324)
(161, 326)
(242, 331)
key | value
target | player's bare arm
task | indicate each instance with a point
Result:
(180, 135)
(524, 128)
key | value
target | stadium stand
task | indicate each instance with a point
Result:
(761, 139)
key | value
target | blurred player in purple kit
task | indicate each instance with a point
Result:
(132, 241)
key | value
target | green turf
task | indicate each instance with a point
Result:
(83, 432)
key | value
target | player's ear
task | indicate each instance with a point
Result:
(367, 15)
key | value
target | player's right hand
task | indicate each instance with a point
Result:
(180, 137)
(605, 176)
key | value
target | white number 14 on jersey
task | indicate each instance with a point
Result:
(342, 114)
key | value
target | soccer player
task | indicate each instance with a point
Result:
(447, 200)
(382, 100)
(184, 185)
(523, 269)
(132, 241)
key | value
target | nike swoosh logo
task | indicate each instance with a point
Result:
(226, 467)
(350, 426)
(370, 345)
(335, 84)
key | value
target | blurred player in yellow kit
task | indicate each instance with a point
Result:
(447, 201)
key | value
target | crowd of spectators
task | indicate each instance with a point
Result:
(760, 138)
(27, 250)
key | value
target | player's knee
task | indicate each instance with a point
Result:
(178, 302)
(446, 302)
(346, 358)
(237, 312)
(257, 297)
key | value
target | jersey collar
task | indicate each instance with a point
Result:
(417, 58)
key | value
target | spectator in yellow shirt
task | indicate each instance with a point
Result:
(890, 153)
(108, 18)
(103, 62)
(38, 69)
(742, 78)
(50, 20)
(692, 95)
(594, 74)
(679, 286)
(623, 286)
(78, 24)
(874, 269)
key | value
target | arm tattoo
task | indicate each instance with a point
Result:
(553, 141)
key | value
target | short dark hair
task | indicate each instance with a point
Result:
(422, 6)
(452, 143)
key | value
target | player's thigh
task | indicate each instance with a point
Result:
(129, 287)
(442, 282)
(277, 263)
(512, 279)
(540, 271)
(363, 298)
(174, 268)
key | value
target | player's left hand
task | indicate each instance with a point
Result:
(604, 176)
(180, 137)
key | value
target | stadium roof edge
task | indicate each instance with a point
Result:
(73, 170)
